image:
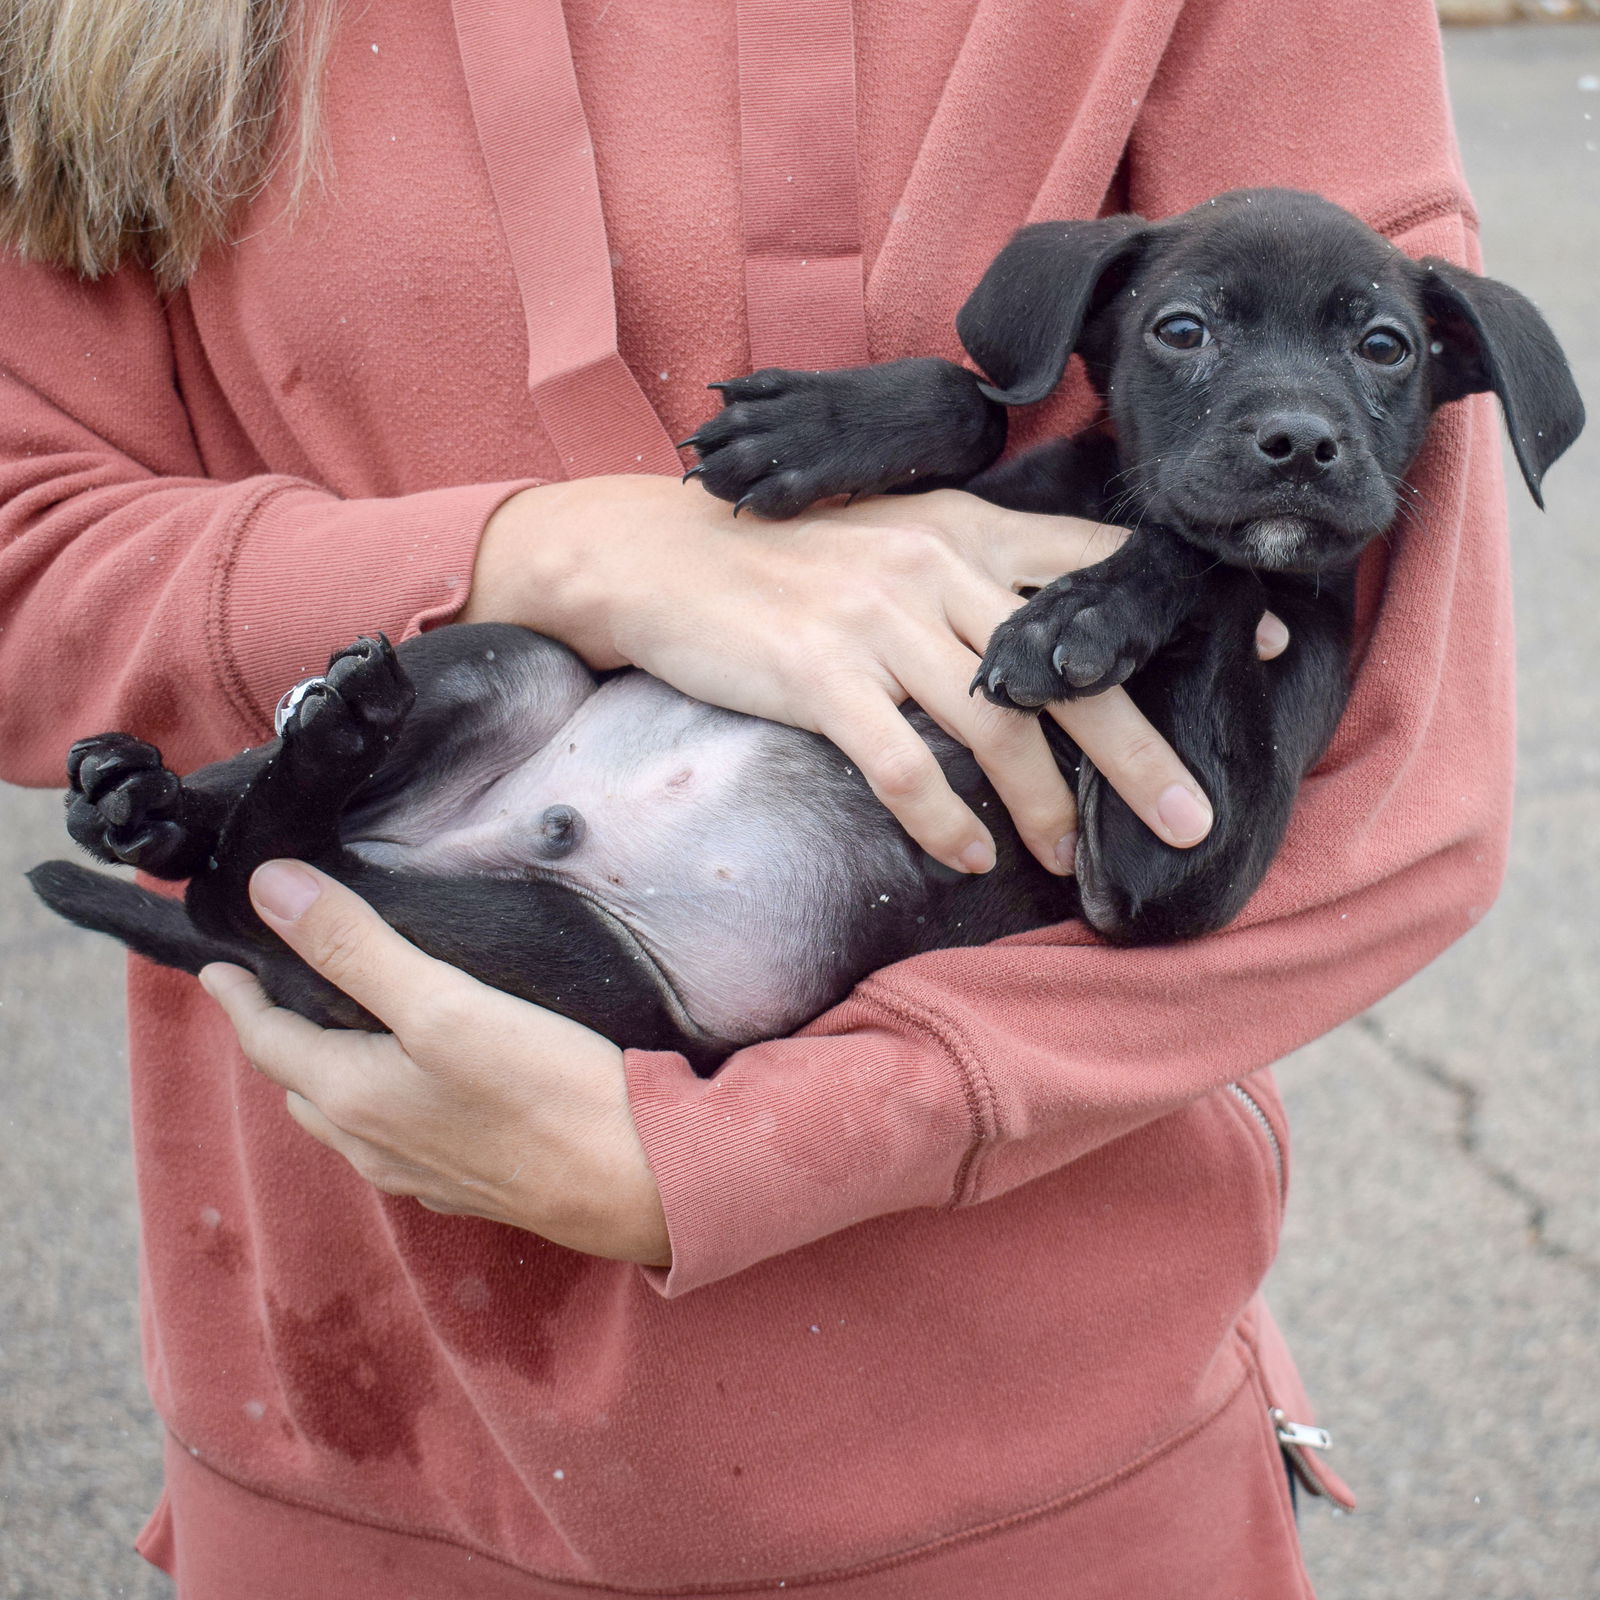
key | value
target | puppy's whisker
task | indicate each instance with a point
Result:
(1410, 502)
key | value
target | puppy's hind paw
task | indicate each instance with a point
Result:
(123, 804)
(361, 701)
(368, 677)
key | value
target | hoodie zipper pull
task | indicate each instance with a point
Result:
(1300, 1435)
(1294, 1439)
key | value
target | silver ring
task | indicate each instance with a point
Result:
(286, 705)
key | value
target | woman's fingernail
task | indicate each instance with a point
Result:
(977, 857)
(1272, 637)
(1184, 815)
(1067, 851)
(283, 889)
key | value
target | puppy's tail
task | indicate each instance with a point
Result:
(151, 924)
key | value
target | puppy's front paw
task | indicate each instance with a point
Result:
(1081, 636)
(775, 446)
(358, 705)
(122, 803)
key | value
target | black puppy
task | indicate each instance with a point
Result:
(1268, 366)
(680, 876)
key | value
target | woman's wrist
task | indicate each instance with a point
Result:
(548, 559)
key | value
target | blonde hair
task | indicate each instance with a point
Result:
(133, 130)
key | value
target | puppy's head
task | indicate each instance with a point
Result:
(1269, 363)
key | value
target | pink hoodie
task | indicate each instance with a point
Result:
(974, 1258)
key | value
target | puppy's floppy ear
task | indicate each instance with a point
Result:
(1493, 338)
(1024, 318)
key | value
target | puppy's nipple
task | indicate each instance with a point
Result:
(560, 832)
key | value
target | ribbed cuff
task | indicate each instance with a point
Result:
(797, 1139)
(306, 573)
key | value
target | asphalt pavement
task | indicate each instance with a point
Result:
(1440, 1274)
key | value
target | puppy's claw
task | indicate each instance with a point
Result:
(691, 443)
(743, 501)
(991, 681)
(133, 847)
(1080, 674)
(693, 472)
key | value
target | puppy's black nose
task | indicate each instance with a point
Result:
(1298, 443)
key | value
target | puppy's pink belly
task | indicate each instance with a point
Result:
(716, 839)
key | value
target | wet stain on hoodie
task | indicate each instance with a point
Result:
(492, 1293)
(224, 1247)
(352, 1383)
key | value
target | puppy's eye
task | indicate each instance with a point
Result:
(1182, 332)
(1384, 348)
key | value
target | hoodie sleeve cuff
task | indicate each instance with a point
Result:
(305, 573)
(799, 1138)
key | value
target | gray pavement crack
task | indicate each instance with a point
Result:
(1467, 1135)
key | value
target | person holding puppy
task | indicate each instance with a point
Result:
(954, 1293)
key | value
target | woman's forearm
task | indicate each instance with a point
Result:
(829, 622)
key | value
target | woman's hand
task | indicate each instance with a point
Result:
(477, 1104)
(830, 622)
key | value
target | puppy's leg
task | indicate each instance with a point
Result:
(1062, 477)
(488, 694)
(539, 941)
(786, 439)
(125, 807)
(1249, 730)
(334, 739)
(1094, 628)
